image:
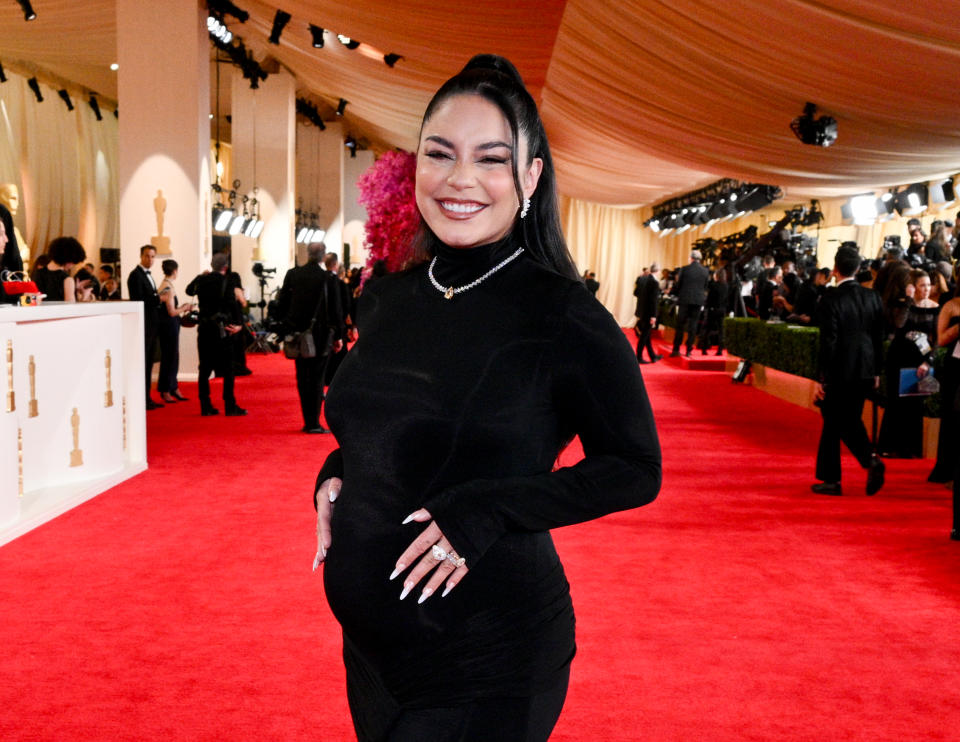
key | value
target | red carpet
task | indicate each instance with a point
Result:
(738, 606)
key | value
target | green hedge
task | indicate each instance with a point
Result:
(789, 348)
(794, 349)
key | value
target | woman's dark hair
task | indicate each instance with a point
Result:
(66, 250)
(496, 80)
(169, 266)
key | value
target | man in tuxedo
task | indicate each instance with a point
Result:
(647, 292)
(221, 318)
(690, 290)
(850, 318)
(311, 293)
(141, 287)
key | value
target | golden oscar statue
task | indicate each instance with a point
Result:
(10, 197)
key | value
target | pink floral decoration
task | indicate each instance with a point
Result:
(387, 192)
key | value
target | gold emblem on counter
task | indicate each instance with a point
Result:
(32, 410)
(11, 401)
(108, 395)
(76, 455)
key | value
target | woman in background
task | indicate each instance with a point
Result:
(168, 332)
(55, 279)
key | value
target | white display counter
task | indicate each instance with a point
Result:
(72, 419)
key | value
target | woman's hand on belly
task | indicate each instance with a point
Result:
(325, 496)
(439, 558)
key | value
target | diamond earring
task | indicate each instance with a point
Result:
(526, 208)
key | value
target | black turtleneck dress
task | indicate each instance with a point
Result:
(462, 406)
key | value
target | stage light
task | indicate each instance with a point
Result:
(391, 59)
(114, 66)
(35, 87)
(318, 235)
(341, 107)
(860, 209)
(317, 33)
(281, 19)
(221, 218)
(236, 225)
(821, 132)
(257, 229)
(351, 144)
(347, 41)
(941, 192)
(28, 14)
(911, 200)
(301, 235)
(218, 30)
(65, 97)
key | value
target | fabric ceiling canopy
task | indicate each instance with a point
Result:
(642, 100)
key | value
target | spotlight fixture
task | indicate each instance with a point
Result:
(348, 42)
(351, 144)
(861, 209)
(391, 59)
(28, 14)
(3, 77)
(317, 33)
(65, 97)
(723, 200)
(35, 87)
(912, 200)
(225, 7)
(821, 132)
(309, 111)
(280, 20)
(942, 192)
(114, 67)
(218, 30)
(116, 112)
(341, 107)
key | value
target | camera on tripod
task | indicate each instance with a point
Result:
(260, 271)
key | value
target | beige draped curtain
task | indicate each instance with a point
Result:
(64, 163)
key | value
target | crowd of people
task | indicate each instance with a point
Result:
(906, 306)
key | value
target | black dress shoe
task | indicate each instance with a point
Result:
(176, 394)
(209, 410)
(242, 372)
(688, 354)
(640, 360)
(875, 475)
(151, 405)
(168, 398)
(827, 488)
(675, 354)
(317, 430)
(955, 534)
(235, 411)
(657, 358)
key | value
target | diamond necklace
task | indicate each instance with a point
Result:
(449, 291)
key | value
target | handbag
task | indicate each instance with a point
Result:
(301, 344)
(190, 319)
(17, 288)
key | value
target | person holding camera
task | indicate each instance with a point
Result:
(310, 300)
(220, 318)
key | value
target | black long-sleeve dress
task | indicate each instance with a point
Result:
(462, 406)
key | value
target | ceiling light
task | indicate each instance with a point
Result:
(912, 200)
(35, 87)
(236, 225)
(281, 19)
(347, 41)
(28, 14)
(114, 66)
(351, 144)
(221, 218)
(96, 107)
(225, 7)
(821, 132)
(65, 97)
(941, 192)
(391, 59)
(861, 209)
(341, 107)
(317, 34)
(218, 30)
(257, 229)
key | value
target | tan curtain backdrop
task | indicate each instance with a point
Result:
(63, 162)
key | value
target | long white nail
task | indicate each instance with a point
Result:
(446, 591)
(316, 561)
(406, 591)
(408, 519)
(398, 570)
(333, 494)
(427, 592)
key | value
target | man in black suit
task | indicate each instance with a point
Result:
(850, 318)
(221, 318)
(591, 282)
(648, 299)
(690, 290)
(312, 294)
(141, 287)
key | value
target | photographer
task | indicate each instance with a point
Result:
(220, 319)
(311, 298)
